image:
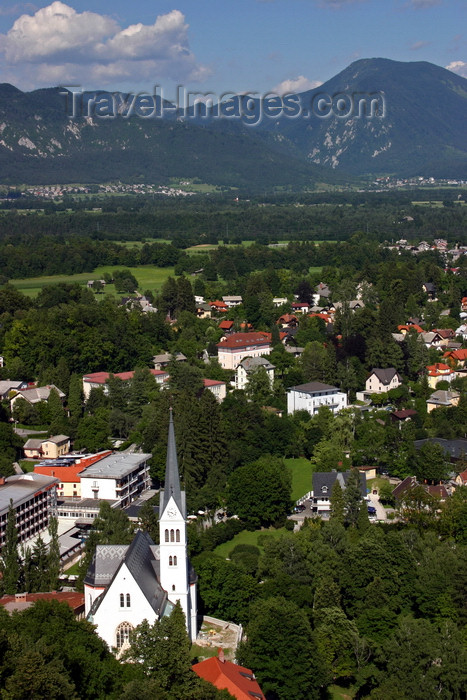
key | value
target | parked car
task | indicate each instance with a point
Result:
(299, 509)
(371, 510)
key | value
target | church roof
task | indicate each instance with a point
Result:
(141, 558)
(172, 477)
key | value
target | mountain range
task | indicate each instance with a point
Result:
(418, 128)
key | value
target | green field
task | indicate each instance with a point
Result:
(301, 469)
(148, 276)
(247, 537)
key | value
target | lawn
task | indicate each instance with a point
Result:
(247, 537)
(148, 276)
(302, 470)
(28, 465)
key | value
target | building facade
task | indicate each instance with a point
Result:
(34, 498)
(310, 397)
(233, 349)
(120, 476)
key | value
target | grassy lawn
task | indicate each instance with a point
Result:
(376, 482)
(339, 693)
(247, 537)
(314, 270)
(28, 465)
(301, 469)
(73, 570)
(148, 276)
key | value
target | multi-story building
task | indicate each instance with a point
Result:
(99, 380)
(67, 471)
(34, 498)
(216, 387)
(119, 477)
(310, 397)
(249, 366)
(233, 349)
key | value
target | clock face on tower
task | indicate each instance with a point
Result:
(171, 512)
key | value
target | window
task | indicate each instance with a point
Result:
(166, 535)
(122, 600)
(173, 586)
(128, 600)
(170, 561)
(175, 561)
(172, 536)
(177, 535)
(122, 634)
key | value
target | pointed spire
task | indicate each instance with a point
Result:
(172, 477)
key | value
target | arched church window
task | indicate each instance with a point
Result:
(175, 561)
(170, 561)
(122, 634)
(173, 586)
(128, 600)
(166, 535)
(177, 535)
(172, 536)
(122, 600)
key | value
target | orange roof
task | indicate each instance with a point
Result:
(226, 325)
(325, 317)
(287, 318)
(212, 382)
(414, 326)
(219, 305)
(241, 340)
(438, 367)
(459, 355)
(74, 600)
(224, 675)
(103, 377)
(69, 474)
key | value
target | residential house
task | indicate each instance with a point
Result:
(430, 290)
(161, 361)
(462, 331)
(98, 380)
(50, 448)
(322, 290)
(218, 388)
(442, 398)
(439, 372)
(218, 306)
(403, 415)
(250, 365)
(456, 358)
(455, 449)
(239, 681)
(382, 380)
(36, 394)
(231, 301)
(461, 479)
(405, 486)
(279, 301)
(233, 349)
(226, 326)
(300, 307)
(120, 476)
(34, 498)
(323, 483)
(311, 396)
(7, 386)
(203, 310)
(287, 321)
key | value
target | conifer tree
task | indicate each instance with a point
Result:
(337, 503)
(352, 498)
(53, 563)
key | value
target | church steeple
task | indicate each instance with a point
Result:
(172, 476)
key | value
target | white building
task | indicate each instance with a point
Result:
(232, 301)
(119, 477)
(126, 584)
(310, 397)
(99, 380)
(216, 387)
(382, 380)
(233, 349)
(248, 366)
(34, 498)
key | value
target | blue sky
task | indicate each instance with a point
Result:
(219, 46)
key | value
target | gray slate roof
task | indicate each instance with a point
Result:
(313, 388)
(21, 487)
(384, 375)
(115, 466)
(452, 448)
(443, 397)
(251, 363)
(327, 480)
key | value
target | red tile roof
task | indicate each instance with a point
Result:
(438, 369)
(242, 340)
(459, 355)
(68, 475)
(74, 600)
(226, 325)
(103, 377)
(224, 675)
(212, 382)
(413, 326)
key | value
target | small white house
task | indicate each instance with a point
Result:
(216, 387)
(382, 380)
(310, 397)
(249, 366)
(120, 477)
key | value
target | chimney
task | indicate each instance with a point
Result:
(220, 655)
(2, 481)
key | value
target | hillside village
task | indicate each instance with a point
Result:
(304, 404)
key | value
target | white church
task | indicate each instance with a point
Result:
(126, 584)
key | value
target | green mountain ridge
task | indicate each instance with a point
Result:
(423, 132)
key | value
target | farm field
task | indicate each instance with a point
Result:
(149, 277)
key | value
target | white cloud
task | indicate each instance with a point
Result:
(296, 85)
(419, 45)
(59, 45)
(459, 67)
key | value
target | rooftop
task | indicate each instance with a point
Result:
(20, 488)
(313, 388)
(115, 466)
